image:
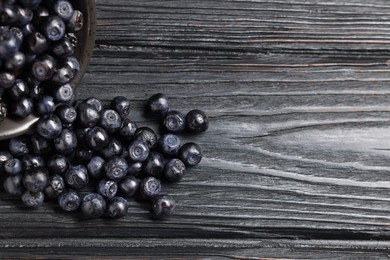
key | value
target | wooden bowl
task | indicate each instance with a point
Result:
(86, 40)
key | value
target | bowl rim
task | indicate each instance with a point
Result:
(10, 128)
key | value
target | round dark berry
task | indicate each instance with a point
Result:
(66, 142)
(129, 185)
(36, 179)
(158, 105)
(197, 121)
(13, 185)
(31, 161)
(53, 28)
(174, 170)
(127, 131)
(69, 200)
(96, 167)
(97, 138)
(169, 144)
(18, 146)
(77, 177)
(117, 207)
(174, 122)
(41, 145)
(163, 206)
(190, 154)
(135, 168)
(76, 22)
(46, 105)
(138, 151)
(66, 113)
(154, 164)
(4, 156)
(58, 164)
(113, 148)
(63, 94)
(33, 200)
(150, 187)
(63, 9)
(110, 120)
(21, 108)
(49, 126)
(147, 135)
(93, 205)
(55, 187)
(13, 167)
(96, 103)
(87, 115)
(107, 188)
(121, 105)
(116, 168)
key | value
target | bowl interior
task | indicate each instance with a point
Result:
(86, 40)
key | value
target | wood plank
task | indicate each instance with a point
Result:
(297, 156)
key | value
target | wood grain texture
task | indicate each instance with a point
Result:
(297, 156)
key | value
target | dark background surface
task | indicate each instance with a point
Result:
(297, 156)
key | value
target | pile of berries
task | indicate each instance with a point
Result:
(85, 146)
(37, 62)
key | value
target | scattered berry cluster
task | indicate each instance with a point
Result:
(89, 146)
(37, 62)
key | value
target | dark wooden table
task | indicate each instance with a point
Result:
(297, 158)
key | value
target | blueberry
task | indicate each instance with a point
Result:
(63, 9)
(116, 168)
(121, 105)
(197, 121)
(169, 144)
(135, 168)
(190, 154)
(154, 164)
(15, 62)
(24, 16)
(17, 32)
(44, 67)
(129, 185)
(127, 131)
(66, 142)
(93, 205)
(163, 206)
(33, 200)
(66, 113)
(73, 64)
(158, 105)
(83, 155)
(53, 28)
(70, 200)
(63, 75)
(27, 30)
(21, 108)
(81, 133)
(31, 161)
(55, 187)
(77, 177)
(18, 146)
(174, 122)
(96, 167)
(49, 126)
(8, 14)
(110, 120)
(6, 79)
(96, 103)
(107, 188)
(37, 43)
(62, 48)
(87, 115)
(46, 105)
(138, 151)
(9, 44)
(76, 22)
(13, 185)
(4, 156)
(117, 207)
(150, 187)
(63, 94)
(36, 179)
(18, 90)
(13, 166)
(58, 164)
(96, 138)
(113, 148)
(41, 145)
(147, 135)
(174, 170)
